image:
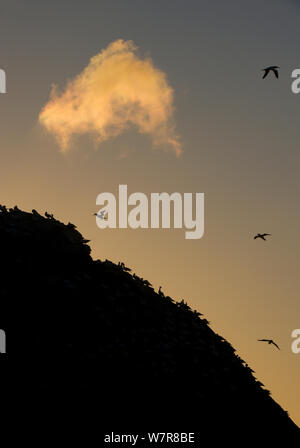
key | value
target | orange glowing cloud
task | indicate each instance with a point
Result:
(116, 89)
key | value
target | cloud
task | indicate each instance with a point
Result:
(117, 89)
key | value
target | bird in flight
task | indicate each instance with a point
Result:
(101, 215)
(262, 236)
(272, 68)
(269, 341)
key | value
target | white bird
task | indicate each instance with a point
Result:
(101, 215)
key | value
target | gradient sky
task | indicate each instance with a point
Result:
(240, 136)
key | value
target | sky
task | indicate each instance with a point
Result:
(188, 113)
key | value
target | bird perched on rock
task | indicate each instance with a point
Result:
(262, 236)
(146, 283)
(160, 292)
(269, 341)
(71, 225)
(272, 68)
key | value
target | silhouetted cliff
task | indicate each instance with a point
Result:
(89, 327)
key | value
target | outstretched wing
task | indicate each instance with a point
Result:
(266, 234)
(275, 345)
(266, 72)
(256, 236)
(276, 73)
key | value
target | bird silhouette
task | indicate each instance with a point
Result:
(269, 341)
(262, 236)
(160, 292)
(272, 68)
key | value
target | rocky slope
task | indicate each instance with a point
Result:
(94, 330)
